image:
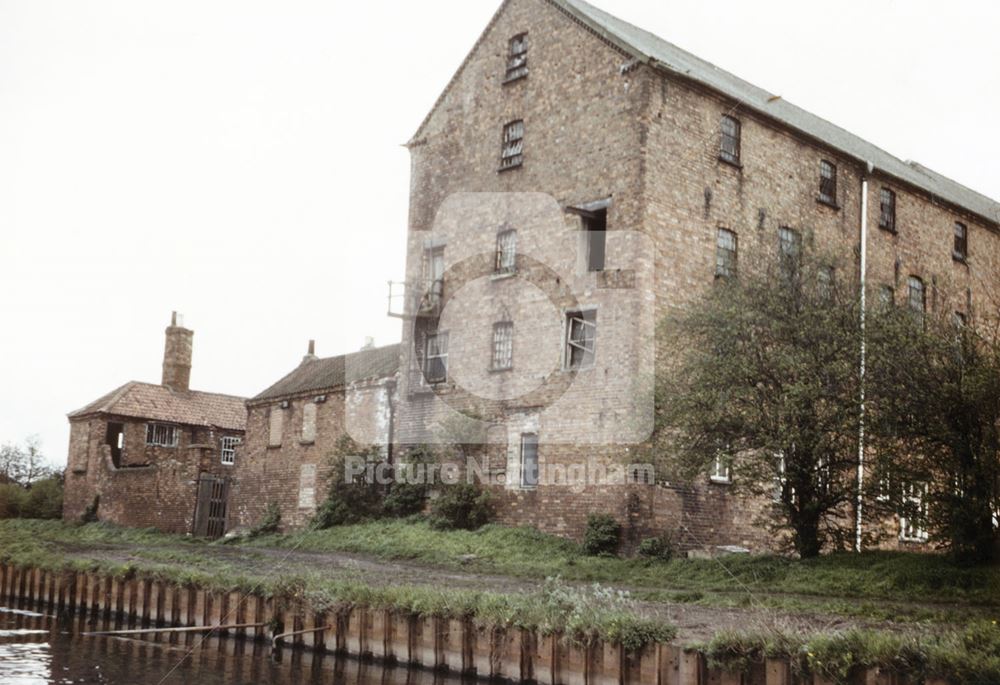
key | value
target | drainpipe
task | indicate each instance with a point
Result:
(864, 352)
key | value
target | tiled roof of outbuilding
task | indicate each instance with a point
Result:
(160, 403)
(332, 372)
(660, 54)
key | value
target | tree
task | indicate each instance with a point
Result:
(764, 377)
(23, 464)
(935, 386)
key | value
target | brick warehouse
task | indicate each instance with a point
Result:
(156, 455)
(578, 180)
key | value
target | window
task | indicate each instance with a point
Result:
(433, 276)
(729, 145)
(790, 250)
(887, 211)
(276, 424)
(161, 435)
(308, 422)
(513, 145)
(581, 334)
(596, 226)
(506, 257)
(436, 358)
(503, 345)
(825, 279)
(227, 455)
(780, 479)
(961, 250)
(886, 296)
(720, 470)
(828, 182)
(913, 522)
(917, 300)
(529, 460)
(958, 320)
(114, 437)
(517, 58)
(725, 254)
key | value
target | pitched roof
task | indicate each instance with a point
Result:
(322, 374)
(660, 54)
(160, 403)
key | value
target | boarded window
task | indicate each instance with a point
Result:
(227, 453)
(307, 486)
(161, 435)
(309, 422)
(512, 153)
(517, 58)
(725, 254)
(276, 425)
(828, 182)
(506, 257)
(581, 337)
(887, 210)
(503, 345)
(961, 250)
(729, 145)
(436, 358)
(529, 460)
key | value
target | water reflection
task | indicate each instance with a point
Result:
(36, 649)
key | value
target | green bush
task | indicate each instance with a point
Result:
(601, 536)
(13, 499)
(660, 548)
(90, 513)
(269, 523)
(351, 498)
(44, 499)
(462, 506)
(408, 491)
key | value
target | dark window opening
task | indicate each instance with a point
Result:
(581, 336)
(828, 182)
(596, 226)
(436, 358)
(960, 252)
(512, 153)
(115, 439)
(887, 210)
(517, 58)
(729, 144)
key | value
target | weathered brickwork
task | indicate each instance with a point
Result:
(600, 127)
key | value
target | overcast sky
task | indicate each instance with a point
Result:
(241, 162)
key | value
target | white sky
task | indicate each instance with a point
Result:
(240, 161)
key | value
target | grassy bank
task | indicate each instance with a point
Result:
(580, 614)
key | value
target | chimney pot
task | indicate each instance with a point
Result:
(312, 347)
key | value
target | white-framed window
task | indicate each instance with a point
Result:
(161, 435)
(720, 472)
(529, 460)
(503, 346)
(436, 358)
(506, 257)
(227, 453)
(581, 338)
(913, 528)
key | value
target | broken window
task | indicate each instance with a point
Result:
(729, 146)
(581, 335)
(436, 358)
(913, 520)
(512, 153)
(828, 182)
(503, 345)
(161, 435)
(720, 470)
(961, 250)
(506, 256)
(725, 254)
(790, 251)
(309, 422)
(529, 460)
(227, 453)
(596, 226)
(276, 423)
(887, 210)
(917, 299)
(433, 277)
(115, 439)
(517, 58)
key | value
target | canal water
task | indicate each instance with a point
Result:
(39, 649)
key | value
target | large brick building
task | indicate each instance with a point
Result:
(578, 180)
(160, 456)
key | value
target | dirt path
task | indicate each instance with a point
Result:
(695, 622)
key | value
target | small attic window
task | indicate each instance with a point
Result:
(517, 58)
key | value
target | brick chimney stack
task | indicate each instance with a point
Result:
(177, 355)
